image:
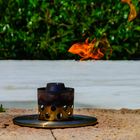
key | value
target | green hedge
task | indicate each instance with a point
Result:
(45, 29)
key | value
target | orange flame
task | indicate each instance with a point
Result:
(94, 49)
(133, 13)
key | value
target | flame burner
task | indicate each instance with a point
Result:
(55, 109)
(55, 102)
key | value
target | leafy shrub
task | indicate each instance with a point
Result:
(1, 108)
(45, 29)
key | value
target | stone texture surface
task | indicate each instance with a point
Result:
(123, 124)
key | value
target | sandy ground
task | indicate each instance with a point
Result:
(112, 124)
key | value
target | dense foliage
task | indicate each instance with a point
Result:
(45, 29)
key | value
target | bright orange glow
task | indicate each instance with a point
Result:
(133, 13)
(91, 50)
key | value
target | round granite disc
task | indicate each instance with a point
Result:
(75, 121)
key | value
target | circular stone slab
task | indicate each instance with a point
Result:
(76, 121)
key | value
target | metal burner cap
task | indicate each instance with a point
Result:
(55, 87)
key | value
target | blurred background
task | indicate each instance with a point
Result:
(45, 29)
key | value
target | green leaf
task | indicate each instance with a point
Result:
(33, 2)
(137, 28)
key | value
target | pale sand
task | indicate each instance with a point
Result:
(121, 124)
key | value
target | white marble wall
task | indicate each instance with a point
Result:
(105, 84)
